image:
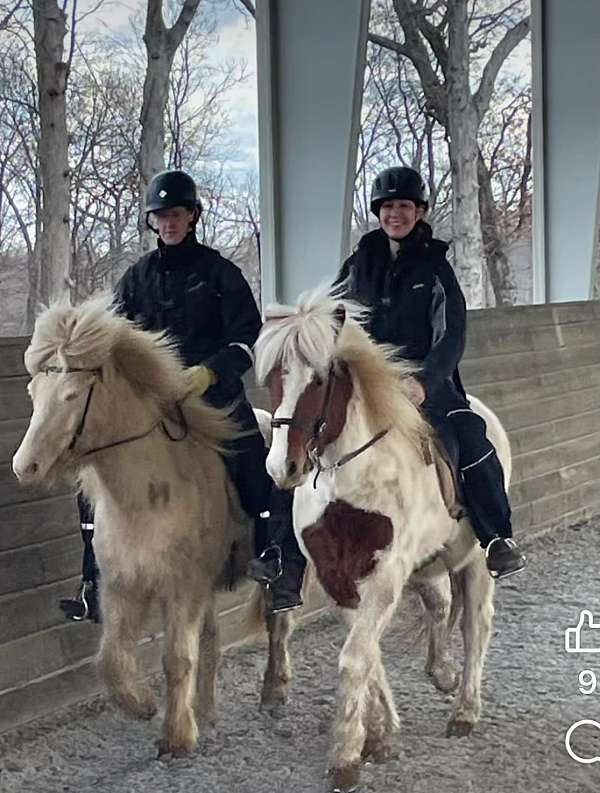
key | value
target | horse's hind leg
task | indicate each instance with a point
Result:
(208, 663)
(436, 593)
(183, 614)
(124, 612)
(478, 594)
(279, 669)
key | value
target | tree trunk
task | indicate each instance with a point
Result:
(498, 265)
(463, 124)
(161, 45)
(52, 73)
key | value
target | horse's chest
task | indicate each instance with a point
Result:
(343, 544)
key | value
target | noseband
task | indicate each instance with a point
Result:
(319, 427)
(129, 439)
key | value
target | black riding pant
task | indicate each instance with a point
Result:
(463, 434)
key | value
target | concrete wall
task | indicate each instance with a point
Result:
(538, 367)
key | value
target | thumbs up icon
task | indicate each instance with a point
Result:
(585, 626)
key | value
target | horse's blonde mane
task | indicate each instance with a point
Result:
(90, 335)
(309, 332)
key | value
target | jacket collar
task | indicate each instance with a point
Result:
(172, 256)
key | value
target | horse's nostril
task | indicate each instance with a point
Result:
(291, 468)
(32, 468)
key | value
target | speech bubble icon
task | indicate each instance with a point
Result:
(586, 625)
(572, 753)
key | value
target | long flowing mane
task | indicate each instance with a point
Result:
(308, 333)
(92, 334)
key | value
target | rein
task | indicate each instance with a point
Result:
(182, 422)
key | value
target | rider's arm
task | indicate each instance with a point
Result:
(448, 316)
(240, 322)
(124, 294)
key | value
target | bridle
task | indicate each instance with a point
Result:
(317, 430)
(97, 372)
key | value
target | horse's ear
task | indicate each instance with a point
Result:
(339, 317)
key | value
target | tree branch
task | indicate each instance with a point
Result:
(502, 50)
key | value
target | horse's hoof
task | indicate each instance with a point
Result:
(344, 779)
(380, 752)
(459, 728)
(445, 678)
(144, 708)
(165, 747)
(273, 703)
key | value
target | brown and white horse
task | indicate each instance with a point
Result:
(368, 512)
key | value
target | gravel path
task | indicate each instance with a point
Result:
(531, 697)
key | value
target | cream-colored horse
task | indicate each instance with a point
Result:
(108, 407)
(369, 513)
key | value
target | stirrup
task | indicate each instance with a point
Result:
(519, 565)
(268, 567)
(69, 605)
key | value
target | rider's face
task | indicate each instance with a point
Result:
(399, 217)
(173, 224)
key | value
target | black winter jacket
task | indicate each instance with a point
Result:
(203, 301)
(415, 302)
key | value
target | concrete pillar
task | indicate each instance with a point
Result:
(571, 160)
(310, 76)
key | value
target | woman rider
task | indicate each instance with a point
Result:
(206, 305)
(401, 273)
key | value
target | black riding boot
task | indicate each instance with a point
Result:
(489, 512)
(85, 602)
(280, 567)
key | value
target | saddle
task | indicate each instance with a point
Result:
(447, 470)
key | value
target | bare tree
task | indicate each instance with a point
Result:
(442, 39)
(50, 27)
(161, 45)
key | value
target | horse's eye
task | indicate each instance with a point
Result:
(318, 381)
(70, 396)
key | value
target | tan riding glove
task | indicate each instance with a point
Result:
(200, 378)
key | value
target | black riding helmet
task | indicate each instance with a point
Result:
(172, 189)
(395, 183)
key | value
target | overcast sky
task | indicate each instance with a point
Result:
(236, 39)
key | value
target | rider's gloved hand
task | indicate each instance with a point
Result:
(200, 378)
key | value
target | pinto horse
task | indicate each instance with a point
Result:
(110, 409)
(369, 514)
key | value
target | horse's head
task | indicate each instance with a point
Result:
(75, 360)
(309, 386)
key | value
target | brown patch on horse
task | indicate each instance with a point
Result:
(159, 494)
(274, 383)
(342, 545)
(311, 406)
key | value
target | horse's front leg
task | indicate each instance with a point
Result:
(478, 594)
(278, 673)
(208, 663)
(358, 661)
(382, 721)
(123, 618)
(183, 612)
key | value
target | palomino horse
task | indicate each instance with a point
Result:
(108, 407)
(368, 513)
